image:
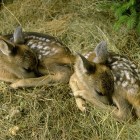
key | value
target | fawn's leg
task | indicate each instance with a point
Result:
(87, 96)
(124, 111)
(61, 75)
(79, 101)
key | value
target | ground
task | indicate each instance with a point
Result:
(50, 113)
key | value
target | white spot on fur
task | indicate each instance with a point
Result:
(136, 70)
(116, 57)
(125, 83)
(43, 39)
(39, 46)
(46, 48)
(115, 63)
(40, 38)
(124, 59)
(114, 78)
(39, 57)
(114, 67)
(120, 65)
(133, 80)
(47, 40)
(30, 42)
(33, 45)
(127, 75)
(46, 53)
(133, 65)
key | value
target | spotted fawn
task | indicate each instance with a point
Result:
(93, 79)
(55, 61)
(126, 76)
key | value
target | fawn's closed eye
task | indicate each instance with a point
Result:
(28, 69)
(99, 93)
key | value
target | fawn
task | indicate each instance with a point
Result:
(16, 61)
(126, 94)
(55, 61)
(92, 80)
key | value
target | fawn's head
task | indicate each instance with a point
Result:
(94, 72)
(18, 59)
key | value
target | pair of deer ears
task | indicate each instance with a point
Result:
(101, 58)
(6, 46)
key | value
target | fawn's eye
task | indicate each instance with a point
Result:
(99, 93)
(28, 69)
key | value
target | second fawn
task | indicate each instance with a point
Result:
(92, 80)
(126, 95)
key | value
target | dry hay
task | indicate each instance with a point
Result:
(51, 113)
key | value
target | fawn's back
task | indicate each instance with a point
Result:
(126, 73)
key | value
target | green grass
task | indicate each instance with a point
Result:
(51, 113)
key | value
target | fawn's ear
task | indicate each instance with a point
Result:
(101, 52)
(18, 36)
(85, 65)
(6, 47)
